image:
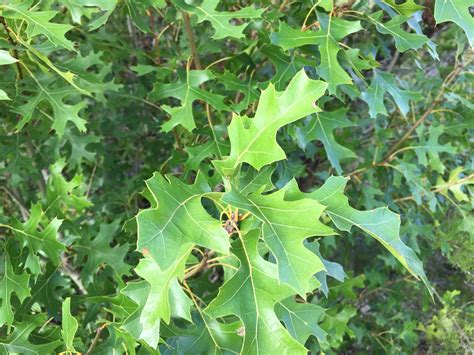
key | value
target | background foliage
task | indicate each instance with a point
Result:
(307, 164)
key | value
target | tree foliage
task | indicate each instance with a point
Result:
(196, 177)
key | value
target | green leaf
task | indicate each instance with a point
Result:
(44, 241)
(196, 154)
(38, 22)
(418, 183)
(69, 325)
(253, 140)
(457, 11)
(220, 20)
(49, 290)
(159, 297)
(286, 66)
(336, 325)
(332, 31)
(6, 58)
(65, 198)
(187, 91)
(205, 336)
(56, 97)
(321, 127)
(301, 319)
(251, 295)
(285, 225)
(100, 9)
(430, 149)
(382, 83)
(18, 342)
(79, 151)
(332, 269)
(251, 181)
(455, 184)
(91, 74)
(381, 223)
(11, 284)
(406, 8)
(246, 87)
(92, 253)
(3, 96)
(403, 40)
(177, 221)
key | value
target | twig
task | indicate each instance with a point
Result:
(199, 267)
(393, 61)
(365, 292)
(438, 99)
(90, 180)
(15, 196)
(192, 41)
(73, 274)
(96, 338)
(424, 116)
(283, 5)
(437, 188)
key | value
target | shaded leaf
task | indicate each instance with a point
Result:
(11, 284)
(220, 20)
(187, 91)
(382, 83)
(38, 22)
(321, 127)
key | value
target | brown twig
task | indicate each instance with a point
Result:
(192, 41)
(96, 338)
(199, 267)
(283, 5)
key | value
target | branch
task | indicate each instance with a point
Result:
(15, 196)
(192, 41)
(439, 98)
(73, 274)
(394, 149)
(96, 338)
(199, 267)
